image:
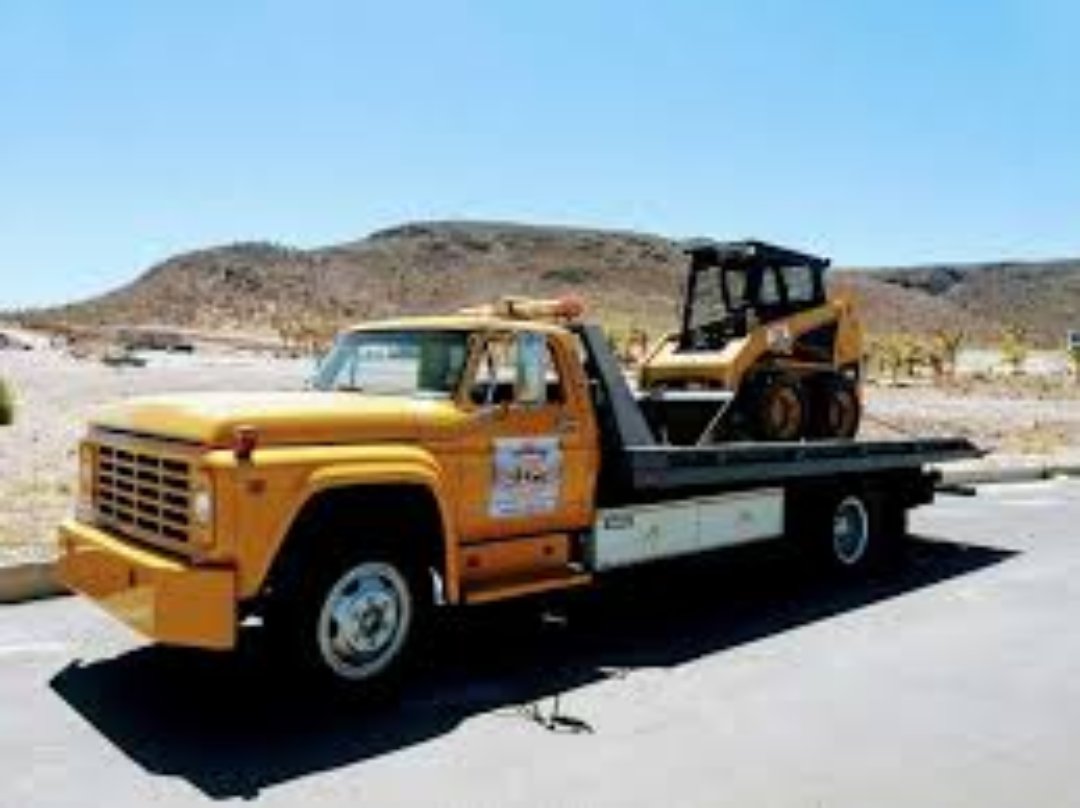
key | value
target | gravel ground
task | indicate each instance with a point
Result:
(56, 394)
(1036, 427)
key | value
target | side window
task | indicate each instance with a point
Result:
(800, 284)
(538, 374)
(770, 288)
(735, 282)
(531, 372)
(516, 369)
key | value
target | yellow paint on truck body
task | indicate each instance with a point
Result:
(161, 597)
(149, 457)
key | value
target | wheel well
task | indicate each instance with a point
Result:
(399, 516)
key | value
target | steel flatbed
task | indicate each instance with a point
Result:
(639, 466)
(659, 468)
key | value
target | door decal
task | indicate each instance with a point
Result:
(527, 477)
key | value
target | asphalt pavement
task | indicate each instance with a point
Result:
(741, 680)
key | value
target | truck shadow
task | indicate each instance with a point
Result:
(228, 724)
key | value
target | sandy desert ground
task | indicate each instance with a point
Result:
(1029, 421)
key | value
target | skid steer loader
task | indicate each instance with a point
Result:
(762, 352)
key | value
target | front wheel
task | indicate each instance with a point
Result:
(365, 620)
(356, 620)
(777, 408)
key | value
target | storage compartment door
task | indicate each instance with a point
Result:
(626, 536)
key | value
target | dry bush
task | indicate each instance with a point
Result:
(881, 358)
(897, 356)
(629, 343)
(306, 333)
(637, 346)
(945, 349)
(1014, 348)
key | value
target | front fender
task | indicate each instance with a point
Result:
(293, 476)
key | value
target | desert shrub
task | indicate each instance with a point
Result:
(572, 276)
(309, 334)
(628, 343)
(945, 350)
(896, 356)
(7, 404)
(1014, 348)
(637, 345)
(914, 355)
(883, 357)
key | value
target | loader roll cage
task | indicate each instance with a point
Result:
(731, 283)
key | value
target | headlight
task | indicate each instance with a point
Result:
(202, 506)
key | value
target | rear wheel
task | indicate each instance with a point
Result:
(835, 408)
(859, 531)
(850, 534)
(777, 408)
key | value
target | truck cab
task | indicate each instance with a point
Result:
(463, 447)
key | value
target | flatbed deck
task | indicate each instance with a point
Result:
(639, 466)
(659, 468)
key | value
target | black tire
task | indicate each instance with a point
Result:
(835, 408)
(353, 622)
(857, 532)
(776, 408)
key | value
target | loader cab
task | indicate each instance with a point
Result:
(732, 287)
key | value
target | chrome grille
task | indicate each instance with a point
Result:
(143, 495)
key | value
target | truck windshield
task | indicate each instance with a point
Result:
(425, 364)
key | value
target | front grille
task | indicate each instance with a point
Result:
(143, 495)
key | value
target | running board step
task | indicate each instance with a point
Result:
(516, 585)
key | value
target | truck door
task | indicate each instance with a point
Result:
(529, 451)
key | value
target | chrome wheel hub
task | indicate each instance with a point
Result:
(364, 620)
(851, 531)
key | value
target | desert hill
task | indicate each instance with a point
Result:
(1042, 297)
(629, 279)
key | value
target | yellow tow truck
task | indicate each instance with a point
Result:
(439, 462)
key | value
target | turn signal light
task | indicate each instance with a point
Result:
(245, 439)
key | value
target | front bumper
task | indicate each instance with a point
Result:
(166, 599)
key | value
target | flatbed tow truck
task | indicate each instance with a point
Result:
(439, 462)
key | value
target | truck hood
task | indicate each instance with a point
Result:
(280, 418)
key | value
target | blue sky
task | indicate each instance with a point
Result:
(876, 132)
